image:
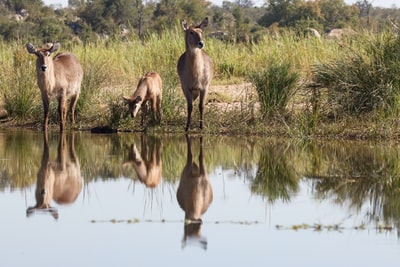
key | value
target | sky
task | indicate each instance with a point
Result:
(380, 3)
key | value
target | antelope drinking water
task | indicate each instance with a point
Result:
(149, 88)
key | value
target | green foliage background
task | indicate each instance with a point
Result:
(88, 21)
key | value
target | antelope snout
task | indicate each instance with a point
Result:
(200, 44)
(43, 67)
(135, 110)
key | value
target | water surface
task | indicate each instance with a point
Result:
(141, 200)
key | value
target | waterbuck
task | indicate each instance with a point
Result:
(194, 194)
(195, 69)
(149, 88)
(58, 180)
(58, 77)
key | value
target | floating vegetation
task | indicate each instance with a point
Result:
(296, 227)
(334, 227)
(315, 227)
(134, 220)
(187, 221)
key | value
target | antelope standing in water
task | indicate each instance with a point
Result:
(195, 69)
(194, 194)
(58, 180)
(59, 77)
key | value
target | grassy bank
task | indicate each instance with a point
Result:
(302, 84)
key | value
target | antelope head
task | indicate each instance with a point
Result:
(194, 34)
(134, 104)
(43, 54)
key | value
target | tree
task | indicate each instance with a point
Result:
(364, 6)
(244, 3)
(329, 13)
(166, 12)
(96, 15)
(277, 11)
(337, 14)
(194, 10)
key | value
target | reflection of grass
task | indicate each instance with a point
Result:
(382, 193)
(275, 178)
(18, 167)
(101, 156)
(357, 175)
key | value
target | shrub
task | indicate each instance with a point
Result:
(364, 80)
(275, 86)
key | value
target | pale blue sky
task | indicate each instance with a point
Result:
(381, 3)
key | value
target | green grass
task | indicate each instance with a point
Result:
(346, 77)
(275, 86)
(19, 91)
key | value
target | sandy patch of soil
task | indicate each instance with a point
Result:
(233, 97)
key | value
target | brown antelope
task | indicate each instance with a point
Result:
(58, 180)
(194, 194)
(195, 69)
(59, 77)
(146, 163)
(149, 88)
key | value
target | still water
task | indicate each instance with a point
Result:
(131, 199)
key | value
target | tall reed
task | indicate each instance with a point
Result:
(18, 85)
(275, 65)
(275, 85)
(366, 79)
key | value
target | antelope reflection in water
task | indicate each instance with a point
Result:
(59, 180)
(146, 163)
(194, 196)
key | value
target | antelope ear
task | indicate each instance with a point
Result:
(203, 24)
(184, 25)
(126, 99)
(55, 47)
(31, 49)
